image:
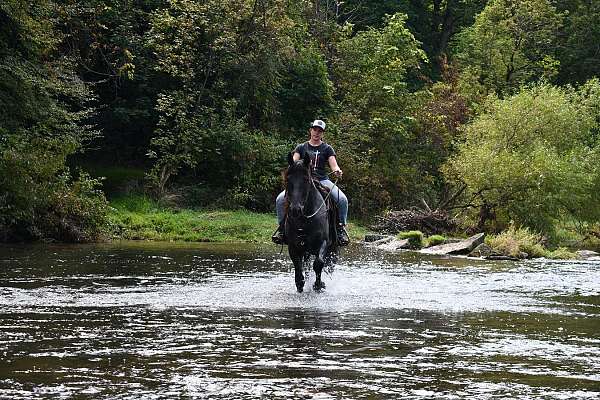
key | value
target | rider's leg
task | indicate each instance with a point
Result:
(280, 208)
(342, 202)
(340, 198)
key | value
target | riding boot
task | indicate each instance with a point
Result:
(342, 235)
(278, 236)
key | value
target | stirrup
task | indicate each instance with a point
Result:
(342, 236)
(278, 237)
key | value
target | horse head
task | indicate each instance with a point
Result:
(298, 184)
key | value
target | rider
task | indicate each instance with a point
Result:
(319, 152)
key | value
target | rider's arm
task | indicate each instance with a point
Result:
(296, 156)
(334, 166)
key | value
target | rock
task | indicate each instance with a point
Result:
(373, 237)
(523, 255)
(500, 257)
(383, 240)
(587, 254)
(462, 247)
(483, 250)
(395, 244)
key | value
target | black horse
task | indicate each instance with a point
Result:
(307, 224)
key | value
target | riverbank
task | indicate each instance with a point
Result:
(141, 218)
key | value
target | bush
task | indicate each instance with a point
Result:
(434, 240)
(517, 242)
(531, 158)
(40, 199)
(415, 238)
(562, 253)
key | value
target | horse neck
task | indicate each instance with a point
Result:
(314, 198)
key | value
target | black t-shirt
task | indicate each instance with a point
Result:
(318, 157)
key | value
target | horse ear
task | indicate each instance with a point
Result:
(290, 158)
(306, 159)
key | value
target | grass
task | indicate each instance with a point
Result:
(415, 238)
(517, 242)
(434, 240)
(522, 243)
(137, 217)
(562, 253)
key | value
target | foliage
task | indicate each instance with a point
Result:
(433, 22)
(371, 80)
(217, 92)
(517, 242)
(105, 38)
(578, 53)
(512, 42)
(531, 159)
(434, 240)
(415, 238)
(227, 67)
(45, 109)
(222, 149)
(562, 253)
(40, 200)
(438, 121)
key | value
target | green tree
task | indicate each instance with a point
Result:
(229, 63)
(371, 74)
(44, 121)
(578, 53)
(511, 43)
(532, 159)
(433, 22)
(106, 38)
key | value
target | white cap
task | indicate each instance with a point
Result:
(319, 123)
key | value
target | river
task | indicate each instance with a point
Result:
(157, 321)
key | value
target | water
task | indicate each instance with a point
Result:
(221, 321)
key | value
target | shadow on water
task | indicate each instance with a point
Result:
(151, 320)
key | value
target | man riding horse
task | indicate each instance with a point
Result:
(320, 153)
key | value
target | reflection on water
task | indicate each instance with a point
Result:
(222, 321)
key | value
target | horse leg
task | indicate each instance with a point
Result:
(299, 272)
(318, 267)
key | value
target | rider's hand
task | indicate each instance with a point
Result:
(338, 173)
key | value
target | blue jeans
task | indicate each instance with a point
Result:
(337, 194)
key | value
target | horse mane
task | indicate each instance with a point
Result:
(287, 171)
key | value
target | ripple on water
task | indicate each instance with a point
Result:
(165, 324)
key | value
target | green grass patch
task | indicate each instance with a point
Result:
(434, 240)
(137, 217)
(415, 238)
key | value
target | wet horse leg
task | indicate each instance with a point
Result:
(298, 271)
(318, 266)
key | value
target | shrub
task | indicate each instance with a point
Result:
(532, 159)
(39, 199)
(434, 240)
(562, 253)
(415, 238)
(514, 242)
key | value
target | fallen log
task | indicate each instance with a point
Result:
(430, 222)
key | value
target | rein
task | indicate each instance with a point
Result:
(324, 201)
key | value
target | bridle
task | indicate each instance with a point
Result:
(324, 201)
